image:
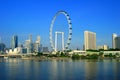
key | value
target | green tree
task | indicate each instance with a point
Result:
(110, 55)
(39, 54)
(75, 56)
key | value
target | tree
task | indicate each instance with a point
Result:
(101, 54)
(110, 55)
(39, 54)
(75, 56)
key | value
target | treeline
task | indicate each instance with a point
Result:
(111, 49)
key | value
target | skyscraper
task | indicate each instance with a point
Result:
(14, 43)
(29, 45)
(117, 42)
(30, 38)
(38, 39)
(89, 40)
(37, 44)
(114, 36)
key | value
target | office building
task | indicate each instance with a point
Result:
(113, 40)
(37, 44)
(45, 49)
(29, 45)
(14, 43)
(105, 47)
(36, 47)
(89, 40)
(2, 47)
(117, 42)
(38, 40)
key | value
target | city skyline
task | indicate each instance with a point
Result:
(34, 17)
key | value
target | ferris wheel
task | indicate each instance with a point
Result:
(69, 30)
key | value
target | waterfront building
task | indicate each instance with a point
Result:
(2, 47)
(37, 44)
(36, 47)
(89, 40)
(113, 40)
(38, 40)
(79, 52)
(117, 42)
(105, 47)
(28, 46)
(14, 51)
(45, 49)
(14, 43)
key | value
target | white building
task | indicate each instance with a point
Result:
(37, 44)
(105, 47)
(16, 51)
(89, 40)
(79, 52)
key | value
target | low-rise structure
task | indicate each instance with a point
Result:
(79, 52)
(111, 52)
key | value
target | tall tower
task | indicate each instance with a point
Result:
(30, 38)
(37, 44)
(38, 39)
(89, 40)
(14, 43)
(117, 42)
(114, 36)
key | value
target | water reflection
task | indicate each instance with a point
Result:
(91, 70)
(17, 69)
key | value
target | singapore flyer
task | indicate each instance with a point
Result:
(69, 37)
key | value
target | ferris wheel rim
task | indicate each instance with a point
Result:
(69, 31)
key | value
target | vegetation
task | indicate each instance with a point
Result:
(75, 56)
(39, 54)
(93, 56)
(111, 49)
(91, 50)
(112, 56)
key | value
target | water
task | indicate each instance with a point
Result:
(17, 69)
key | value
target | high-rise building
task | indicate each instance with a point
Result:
(117, 42)
(38, 39)
(2, 47)
(89, 40)
(114, 36)
(14, 43)
(36, 47)
(30, 38)
(29, 45)
(37, 44)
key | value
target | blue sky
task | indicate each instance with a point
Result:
(24, 17)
